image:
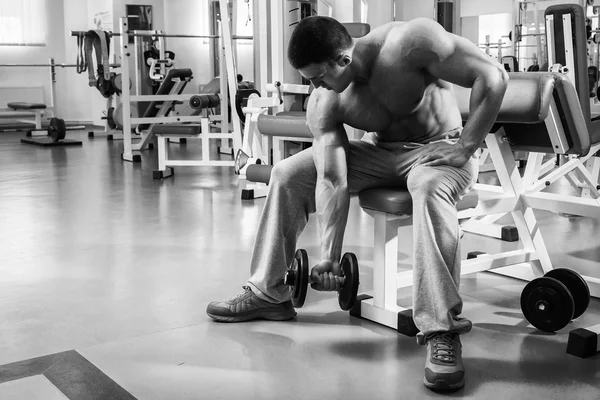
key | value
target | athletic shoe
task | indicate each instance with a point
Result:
(444, 368)
(248, 306)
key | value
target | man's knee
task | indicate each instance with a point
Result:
(424, 181)
(280, 174)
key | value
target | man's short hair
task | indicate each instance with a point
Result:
(316, 40)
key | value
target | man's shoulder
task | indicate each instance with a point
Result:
(414, 30)
(324, 107)
(323, 100)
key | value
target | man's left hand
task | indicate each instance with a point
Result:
(443, 153)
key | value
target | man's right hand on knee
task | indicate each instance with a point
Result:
(327, 276)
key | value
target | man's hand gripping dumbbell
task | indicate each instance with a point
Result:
(343, 278)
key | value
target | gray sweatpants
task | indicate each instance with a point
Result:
(435, 190)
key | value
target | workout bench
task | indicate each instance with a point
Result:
(567, 51)
(539, 109)
(29, 113)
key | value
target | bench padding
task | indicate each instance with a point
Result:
(399, 202)
(526, 106)
(18, 105)
(177, 129)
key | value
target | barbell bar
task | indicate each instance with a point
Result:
(62, 65)
(167, 35)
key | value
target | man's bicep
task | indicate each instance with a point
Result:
(330, 143)
(330, 155)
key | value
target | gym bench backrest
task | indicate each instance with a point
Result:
(540, 112)
(183, 74)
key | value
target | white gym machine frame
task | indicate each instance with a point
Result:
(512, 196)
(582, 172)
(205, 135)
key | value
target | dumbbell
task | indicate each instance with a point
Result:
(550, 302)
(297, 276)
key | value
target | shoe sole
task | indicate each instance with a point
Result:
(275, 316)
(443, 386)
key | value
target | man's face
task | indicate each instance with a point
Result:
(328, 75)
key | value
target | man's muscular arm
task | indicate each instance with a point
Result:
(456, 60)
(332, 198)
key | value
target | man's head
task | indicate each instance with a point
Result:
(321, 50)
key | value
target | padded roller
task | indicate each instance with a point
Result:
(526, 106)
(259, 173)
(284, 125)
(526, 100)
(202, 101)
(398, 201)
(357, 29)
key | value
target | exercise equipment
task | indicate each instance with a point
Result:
(242, 161)
(297, 276)
(584, 342)
(527, 121)
(550, 302)
(57, 130)
(165, 100)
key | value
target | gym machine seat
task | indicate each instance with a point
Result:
(540, 111)
(18, 105)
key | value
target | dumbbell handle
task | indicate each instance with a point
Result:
(290, 278)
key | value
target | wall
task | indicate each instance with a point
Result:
(411, 9)
(470, 8)
(190, 53)
(193, 17)
(380, 12)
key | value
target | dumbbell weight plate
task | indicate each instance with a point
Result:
(348, 292)
(57, 129)
(577, 286)
(547, 304)
(297, 276)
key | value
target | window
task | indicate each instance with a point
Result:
(324, 8)
(364, 9)
(22, 23)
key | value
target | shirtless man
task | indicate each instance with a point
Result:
(395, 83)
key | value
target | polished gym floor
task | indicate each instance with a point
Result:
(105, 275)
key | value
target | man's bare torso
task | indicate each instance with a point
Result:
(400, 100)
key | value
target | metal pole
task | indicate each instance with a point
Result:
(125, 95)
(52, 87)
(231, 75)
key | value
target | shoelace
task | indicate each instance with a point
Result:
(443, 349)
(246, 290)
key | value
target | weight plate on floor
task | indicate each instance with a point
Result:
(297, 277)
(547, 304)
(57, 129)
(577, 286)
(348, 292)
